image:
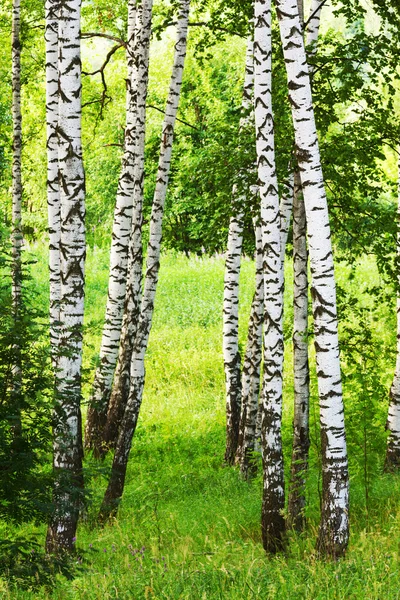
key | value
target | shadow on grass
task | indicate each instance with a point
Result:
(24, 563)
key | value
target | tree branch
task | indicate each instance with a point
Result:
(180, 120)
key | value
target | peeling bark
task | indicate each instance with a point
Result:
(301, 437)
(272, 520)
(392, 462)
(137, 373)
(53, 192)
(67, 433)
(230, 343)
(102, 385)
(252, 369)
(121, 385)
(334, 526)
(16, 236)
(301, 376)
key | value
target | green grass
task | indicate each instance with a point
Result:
(188, 527)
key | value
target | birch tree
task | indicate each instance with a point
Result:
(67, 434)
(272, 520)
(16, 236)
(252, 367)
(53, 192)
(137, 373)
(121, 385)
(301, 375)
(392, 462)
(230, 343)
(301, 438)
(98, 405)
(334, 526)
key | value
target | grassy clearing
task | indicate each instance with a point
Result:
(188, 528)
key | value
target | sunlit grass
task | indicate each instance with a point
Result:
(188, 527)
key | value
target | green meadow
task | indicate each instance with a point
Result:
(189, 527)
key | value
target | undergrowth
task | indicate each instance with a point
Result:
(188, 527)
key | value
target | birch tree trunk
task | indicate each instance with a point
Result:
(137, 375)
(251, 369)
(334, 527)
(67, 432)
(121, 385)
(273, 524)
(53, 192)
(285, 212)
(16, 237)
(392, 462)
(230, 341)
(301, 438)
(98, 405)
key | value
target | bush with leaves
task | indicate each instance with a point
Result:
(25, 449)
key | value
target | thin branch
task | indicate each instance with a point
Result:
(180, 120)
(107, 60)
(210, 26)
(114, 38)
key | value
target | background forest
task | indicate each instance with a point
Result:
(188, 524)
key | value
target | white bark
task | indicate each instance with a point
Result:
(393, 422)
(230, 343)
(252, 367)
(273, 493)
(67, 416)
(286, 208)
(133, 296)
(53, 193)
(301, 437)
(301, 441)
(334, 529)
(97, 413)
(312, 28)
(137, 372)
(16, 237)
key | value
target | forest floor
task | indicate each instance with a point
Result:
(188, 527)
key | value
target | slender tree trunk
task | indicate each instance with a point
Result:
(334, 527)
(286, 208)
(285, 211)
(392, 462)
(53, 192)
(137, 375)
(273, 523)
(230, 341)
(16, 214)
(67, 434)
(120, 390)
(252, 369)
(301, 438)
(98, 405)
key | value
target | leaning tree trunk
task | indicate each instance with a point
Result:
(67, 432)
(392, 462)
(301, 435)
(102, 385)
(16, 269)
(53, 192)
(121, 385)
(128, 425)
(334, 527)
(230, 339)
(252, 369)
(301, 438)
(273, 523)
